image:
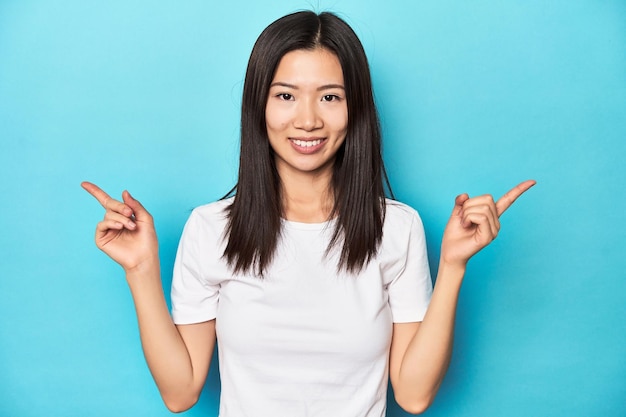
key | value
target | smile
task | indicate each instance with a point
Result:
(306, 143)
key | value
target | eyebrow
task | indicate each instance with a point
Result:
(321, 88)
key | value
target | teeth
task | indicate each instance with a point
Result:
(307, 143)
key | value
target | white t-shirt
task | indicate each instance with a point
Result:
(304, 340)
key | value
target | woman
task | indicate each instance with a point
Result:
(316, 286)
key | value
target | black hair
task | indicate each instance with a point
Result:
(359, 177)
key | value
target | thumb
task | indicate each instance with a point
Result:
(458, 203)
(141, 214)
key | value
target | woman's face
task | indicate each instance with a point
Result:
(306, 112)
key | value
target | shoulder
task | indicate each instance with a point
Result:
(212, 212)
(403, 252)
(398, 215)
(208, 221)
(402, 227)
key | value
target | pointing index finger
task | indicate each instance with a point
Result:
(96, 192)
(509, 198)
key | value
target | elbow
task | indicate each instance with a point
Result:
(415, 405)
(180, 404)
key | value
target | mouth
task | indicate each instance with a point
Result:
(307, 145)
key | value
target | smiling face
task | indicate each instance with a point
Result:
(306, 112)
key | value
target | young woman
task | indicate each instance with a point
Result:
(316, 287)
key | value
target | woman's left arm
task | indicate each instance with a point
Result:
(420, 352)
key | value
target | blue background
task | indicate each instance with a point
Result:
(474, 97)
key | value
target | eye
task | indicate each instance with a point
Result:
(285, 96)
(330, 97)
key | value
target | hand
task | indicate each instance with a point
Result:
(127, 232)
(474, 223)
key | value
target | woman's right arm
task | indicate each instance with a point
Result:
(178, 356)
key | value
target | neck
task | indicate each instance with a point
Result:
(307, 198)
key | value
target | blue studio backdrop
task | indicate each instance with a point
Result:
(474, 97)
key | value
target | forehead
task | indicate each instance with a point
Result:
(304, 66)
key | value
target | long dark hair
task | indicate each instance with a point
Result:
(359, 177)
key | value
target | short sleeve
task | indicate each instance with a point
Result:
(195, 288)
(410, 290)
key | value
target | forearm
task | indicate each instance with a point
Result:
(420, 353)
(164, 349)
(428, 354)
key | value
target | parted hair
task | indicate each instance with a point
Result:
(359, 179)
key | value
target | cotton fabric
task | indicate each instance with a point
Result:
(304, 340)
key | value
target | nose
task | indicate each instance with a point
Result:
(307, 117)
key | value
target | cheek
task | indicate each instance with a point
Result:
(339, 121)
(275, 119)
